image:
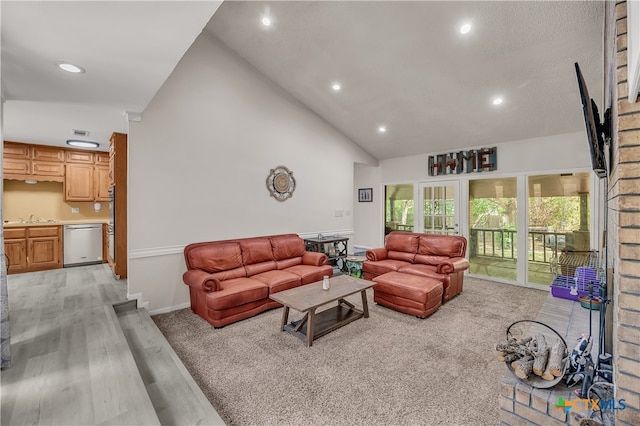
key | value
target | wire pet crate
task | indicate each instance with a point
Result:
(576, 275)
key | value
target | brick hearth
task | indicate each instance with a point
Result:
(520, 404)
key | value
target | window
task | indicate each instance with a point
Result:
(398, 209)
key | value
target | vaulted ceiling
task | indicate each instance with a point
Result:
(402, 65)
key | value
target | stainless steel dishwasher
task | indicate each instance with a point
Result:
(82, 244)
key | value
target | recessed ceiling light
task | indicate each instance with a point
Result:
(70, 67)
(382, 129)
(82, 144)
(465, 28)
(336, 86)
(266, 21)
(497, 101)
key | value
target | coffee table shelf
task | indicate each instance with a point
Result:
(308, 298)
(325, 322)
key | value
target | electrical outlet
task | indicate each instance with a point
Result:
(339, 213)
(75, 209)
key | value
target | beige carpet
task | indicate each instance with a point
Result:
(389, 369)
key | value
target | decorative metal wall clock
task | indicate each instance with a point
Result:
(281, 183)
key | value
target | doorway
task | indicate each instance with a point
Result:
(440, 208)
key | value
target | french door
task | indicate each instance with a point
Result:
(440, 208)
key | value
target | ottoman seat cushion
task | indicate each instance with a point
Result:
(411, 294)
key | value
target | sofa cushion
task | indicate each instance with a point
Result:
(401, 255)
(278, 280)
(215, 257)
(287, 263)
(428, 259)
(442, 245)
(402, 241)
(286, 246)
(383, 266)
(258, 268)
(311, 274)
(401, 246)
(236, 292)
(255, 250)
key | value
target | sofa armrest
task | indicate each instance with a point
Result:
(201, 280)
(314, 258)
(377, 254)
(456, 264)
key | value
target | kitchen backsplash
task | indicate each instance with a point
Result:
(46, 200)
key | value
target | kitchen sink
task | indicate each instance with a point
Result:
(29, 221)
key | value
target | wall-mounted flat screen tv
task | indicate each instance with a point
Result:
(595, 130)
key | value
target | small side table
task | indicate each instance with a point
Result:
(354, 265)
(334, 247)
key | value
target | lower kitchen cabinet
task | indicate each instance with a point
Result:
(16, 251)
(33, 248)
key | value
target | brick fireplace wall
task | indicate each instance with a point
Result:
(623, 225)
(523, 405)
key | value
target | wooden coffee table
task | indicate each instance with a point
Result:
(308, 298)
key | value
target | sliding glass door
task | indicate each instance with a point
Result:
(559, 222)
(493, 235)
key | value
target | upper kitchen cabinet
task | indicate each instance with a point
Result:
(87, 176)
(46, 153)
(17, 150)
(101, 183)
(82, 157)
(101, 159)
(86, 182)
(79, 182)
(85, 173)
(23, 161)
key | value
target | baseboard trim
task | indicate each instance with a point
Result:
(138, 297)
(170, 309)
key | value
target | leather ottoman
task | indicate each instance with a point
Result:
(410, 294)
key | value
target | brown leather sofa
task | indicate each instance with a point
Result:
(231, 280)
(435, 258)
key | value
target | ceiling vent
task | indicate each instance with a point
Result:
(80, 132)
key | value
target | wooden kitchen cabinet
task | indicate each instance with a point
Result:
(41, 169)
(118, 171)
(44, 248)
(85, 182)
(37, 162)
(101, 183)
(77, 156)
(17, 150)
(78, 183)
(15, 247)
(45, 153)
(33, 248)
(101, 159)
(16, 166)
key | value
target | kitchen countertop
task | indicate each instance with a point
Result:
(19, 224)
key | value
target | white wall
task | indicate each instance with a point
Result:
(553, 154)
(199, 159)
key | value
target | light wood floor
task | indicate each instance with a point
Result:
(71, 363)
